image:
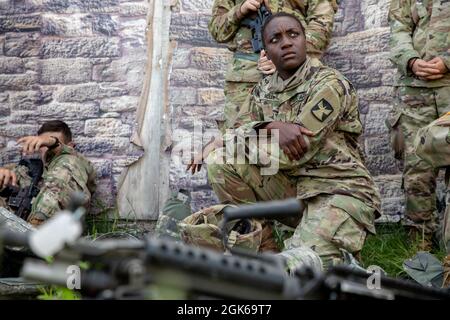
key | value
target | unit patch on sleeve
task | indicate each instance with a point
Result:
(322, 110)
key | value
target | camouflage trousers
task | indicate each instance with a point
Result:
(326, 227)
(235, 95)
(415, 108)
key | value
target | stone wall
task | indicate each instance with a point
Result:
(359, 49)
(77, 60)
(83, 61)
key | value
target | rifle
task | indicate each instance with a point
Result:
(19, 199)
(137, 269)
(256, 25)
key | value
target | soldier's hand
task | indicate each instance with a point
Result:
(197, 161)
(291, 139)
(250, 6)
(32, 144)
(426, 70)
(7, 177)
(265, 65)
(439, 64)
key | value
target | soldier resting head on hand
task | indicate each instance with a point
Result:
(65, 171)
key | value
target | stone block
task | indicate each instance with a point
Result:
(89, 92)
(104, 24)
(28, 100)
(74, 25)
(210, 97)
(20, 23)
(77, 6)
(10, 7)
(11, 65)
(183, 96)
(375, 121)
(197, 78)
(23, 81)
(181, 58)
(203, 6)
(69, 110)
(103, 168)
(107, 127)
(65, 71)
(133, 9)
(119, 104)
(82, 47)
(378, 145)
(210, 58)
(22, 44)
(133, 32)
(18, 130)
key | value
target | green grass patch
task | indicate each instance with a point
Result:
(389, 248)
(57, 293)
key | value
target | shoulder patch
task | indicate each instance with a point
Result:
(322, 110)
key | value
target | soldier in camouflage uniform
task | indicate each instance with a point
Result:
(65, 171)
(433, 146)
(242, 73)
(420, 49)
(314, 110)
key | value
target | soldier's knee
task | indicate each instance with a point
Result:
(300, 257)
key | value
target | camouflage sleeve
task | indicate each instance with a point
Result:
(432, 143)
(319, 26)
(320, 115)
(64, 149)
(225, 20)
(250, 117)
(65, 175)
(401, 41)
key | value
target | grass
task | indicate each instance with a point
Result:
(389, 248)
(104, 223)
(58, 293)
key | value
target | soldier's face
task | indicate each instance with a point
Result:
(59, 135)
(285, 45)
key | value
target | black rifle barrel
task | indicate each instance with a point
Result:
(268, 210)
(10, 238)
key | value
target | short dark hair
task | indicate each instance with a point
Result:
(56, 126)
(278, 15)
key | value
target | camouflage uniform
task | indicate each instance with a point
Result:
(241, 76)
(433, 145)
(419, 29)
(65, 173)
(340, 195)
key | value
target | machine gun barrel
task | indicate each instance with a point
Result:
(266, 210)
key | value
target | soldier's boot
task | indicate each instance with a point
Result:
(446, 283)
(424, 241)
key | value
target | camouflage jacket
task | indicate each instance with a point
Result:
(432, 143)
(64, 173)
(322, 100)
(317, 17)
(419, 29)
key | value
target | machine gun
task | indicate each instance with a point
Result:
(139, 269)
(256, 25)
(19, 199)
